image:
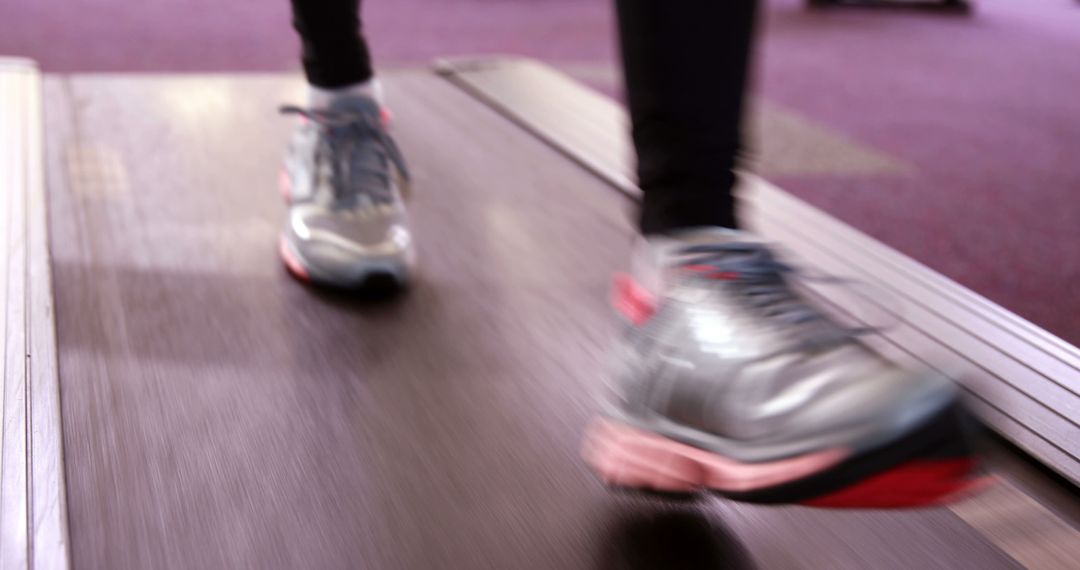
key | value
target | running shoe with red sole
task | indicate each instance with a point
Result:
(728, 380)
(343, 180)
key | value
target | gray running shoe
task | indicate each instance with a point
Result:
(343, 179)
(726, 379)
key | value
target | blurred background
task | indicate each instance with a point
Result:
(218, 415)
(950, 134)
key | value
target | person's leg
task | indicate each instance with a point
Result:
(728, 378)
(335, 54)
(685, 67)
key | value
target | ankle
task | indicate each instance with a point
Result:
(323, 97)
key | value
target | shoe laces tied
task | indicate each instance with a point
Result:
(753, 273)
(350, 138)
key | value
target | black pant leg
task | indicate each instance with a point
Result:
(334, 51)
(686, 67)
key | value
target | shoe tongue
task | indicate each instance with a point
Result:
(658, 254)
(364, 160)
(357, 104)
(707, 235)
(668, 249)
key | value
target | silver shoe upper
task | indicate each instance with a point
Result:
(734, 359)
(346, 177)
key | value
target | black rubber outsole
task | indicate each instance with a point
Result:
(376, 285)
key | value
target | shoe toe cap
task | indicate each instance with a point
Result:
(337, 246)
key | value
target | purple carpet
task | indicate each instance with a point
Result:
(207, 35)
(986, 106)
(988, 109)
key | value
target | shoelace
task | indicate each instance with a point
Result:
(763, 281)
(348, 136)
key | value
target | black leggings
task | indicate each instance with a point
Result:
(685, 66)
